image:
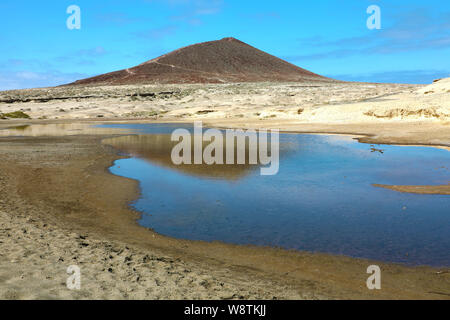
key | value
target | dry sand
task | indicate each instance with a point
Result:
(59, 205)
(297, 102)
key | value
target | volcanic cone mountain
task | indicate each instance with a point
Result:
(221, 61)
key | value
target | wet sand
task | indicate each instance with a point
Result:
(60, 206)
(444, 189)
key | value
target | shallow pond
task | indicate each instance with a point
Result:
(322, 198)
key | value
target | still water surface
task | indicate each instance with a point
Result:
(321, 200)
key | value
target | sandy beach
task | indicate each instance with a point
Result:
(60, 206)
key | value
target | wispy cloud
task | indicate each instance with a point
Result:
(262, 16)
(157, 33)
(193, 11)
(187, 12)
(97, 51)
(413, 31)
(10, 80)
(402, 76)
(120, 18)
(30, 64)
(199, 7)
(83, 57)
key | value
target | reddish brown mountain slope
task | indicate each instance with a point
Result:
(226, 60)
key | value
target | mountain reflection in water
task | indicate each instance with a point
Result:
(157, 148)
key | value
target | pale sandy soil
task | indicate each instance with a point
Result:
(319, 103)
(59, 206)
(283, 105)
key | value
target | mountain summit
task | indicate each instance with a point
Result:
(220, 61)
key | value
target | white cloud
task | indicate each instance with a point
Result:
(10, 80)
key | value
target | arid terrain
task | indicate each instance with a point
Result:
(228, 60)
(336, 103)
(60, 206)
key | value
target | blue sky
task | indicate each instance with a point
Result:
(329, 37)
